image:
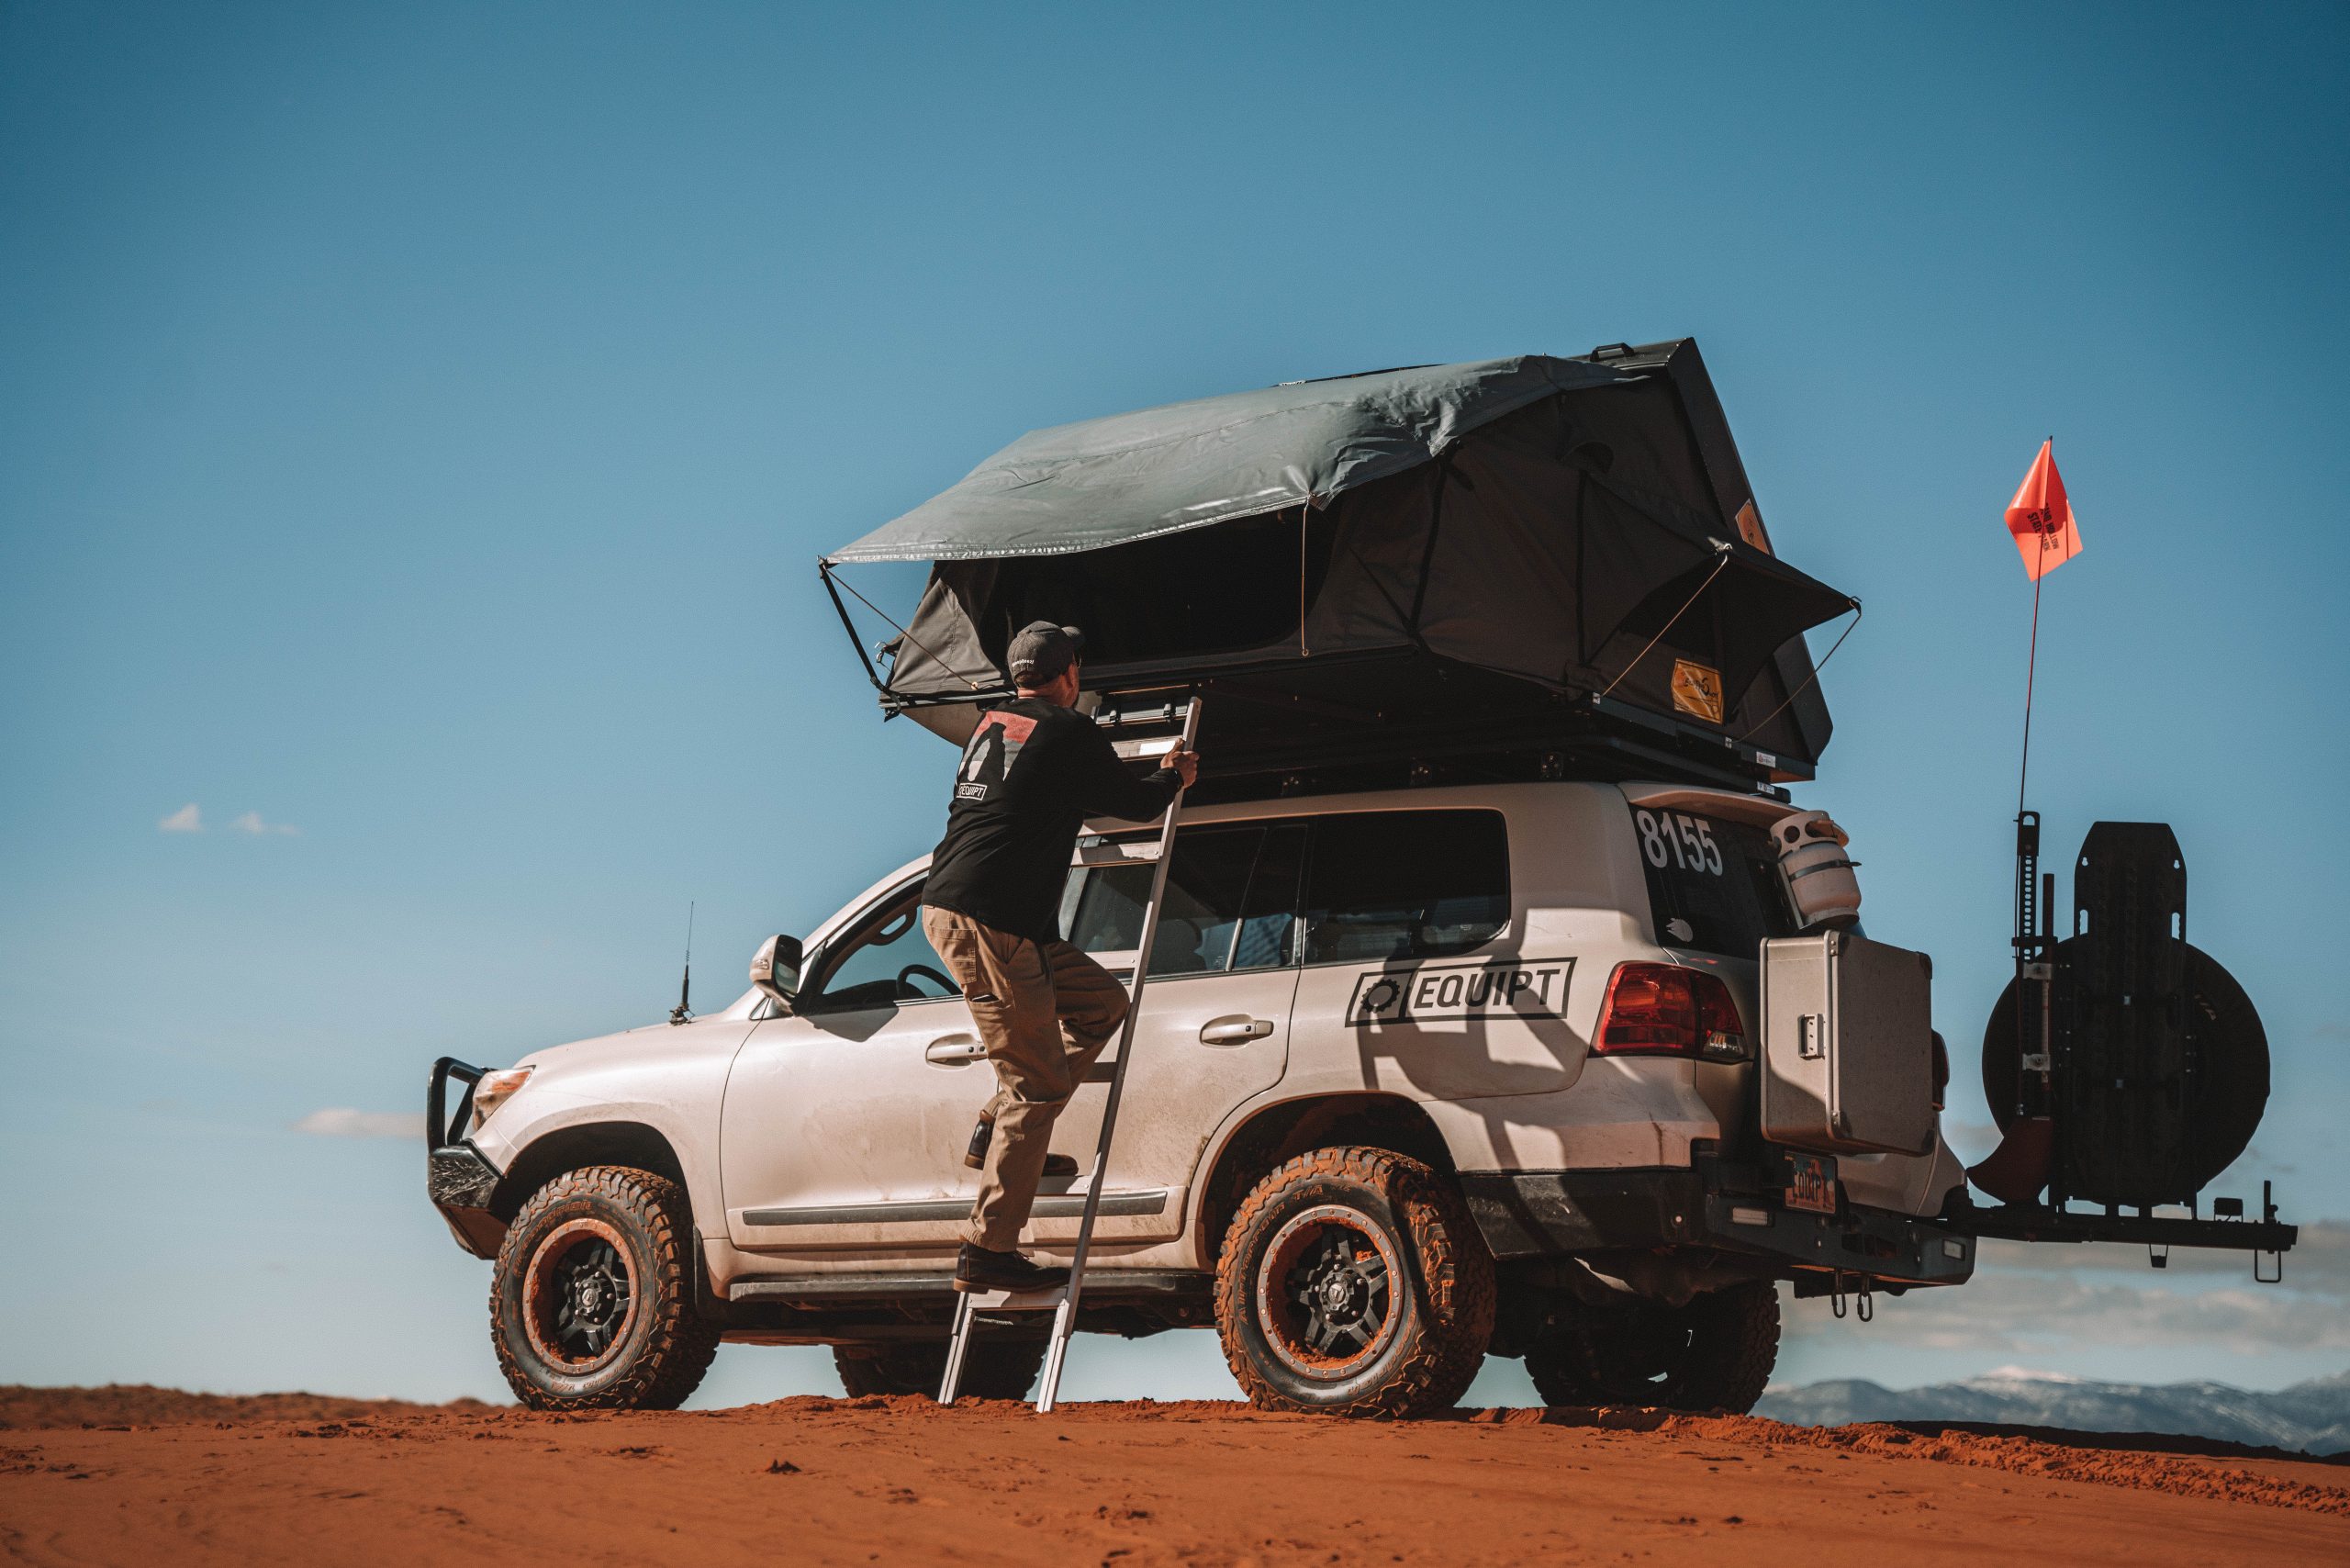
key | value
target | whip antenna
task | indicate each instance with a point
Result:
(684, 1010)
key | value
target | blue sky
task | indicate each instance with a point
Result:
(418, 426)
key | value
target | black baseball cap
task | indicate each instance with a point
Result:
(1040, 650)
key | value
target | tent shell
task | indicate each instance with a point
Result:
(1285, 459)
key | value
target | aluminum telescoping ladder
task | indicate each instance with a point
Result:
(1063, 1301)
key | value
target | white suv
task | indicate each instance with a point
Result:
(1420, 1076)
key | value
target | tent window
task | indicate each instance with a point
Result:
(1205, 590)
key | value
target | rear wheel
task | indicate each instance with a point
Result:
(1714, 1354)
(591, 1305)
(1353, 1281)
(992, 1368)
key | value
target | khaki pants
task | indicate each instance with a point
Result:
(1045, 1010)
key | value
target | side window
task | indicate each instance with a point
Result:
(1389, 885)
(1231, 903)
(886, 961)
(1267, 938)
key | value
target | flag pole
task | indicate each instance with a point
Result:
(2032, 659)
(2031, 671)
(2025, 1161)
(2034, 918)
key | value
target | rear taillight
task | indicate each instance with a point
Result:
(1665, 1010)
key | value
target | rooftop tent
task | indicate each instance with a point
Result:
(1536, 554)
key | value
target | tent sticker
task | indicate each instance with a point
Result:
(1435, 993)
(1697, 689)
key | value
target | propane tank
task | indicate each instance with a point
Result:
(1816, 870)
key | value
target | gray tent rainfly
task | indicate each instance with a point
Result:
(1555, 561)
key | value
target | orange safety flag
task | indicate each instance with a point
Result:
(2041, 517)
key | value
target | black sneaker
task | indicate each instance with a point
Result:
(980, 1269)
(976, 1157)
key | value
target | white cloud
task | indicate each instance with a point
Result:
(250, 823)
(187, 819)
(340, 1122)
(2026, 1374)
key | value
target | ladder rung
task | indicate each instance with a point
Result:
(1143, 714)
(1018, 1300)
(1142, 748)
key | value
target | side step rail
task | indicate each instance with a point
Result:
(1064, 1301)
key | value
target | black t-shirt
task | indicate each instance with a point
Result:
(1030, 776)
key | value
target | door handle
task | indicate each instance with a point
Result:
(1234, 1031)
(954, 1050)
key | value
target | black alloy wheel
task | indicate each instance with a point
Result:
(1715, 1353)
(592, 1302)
(1328, 1298)
(580, 1295)
(992, 1368)
(1353, 1281)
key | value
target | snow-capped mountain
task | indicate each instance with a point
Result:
(2313, 1417)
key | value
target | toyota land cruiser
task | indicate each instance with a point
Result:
(1420, 1077)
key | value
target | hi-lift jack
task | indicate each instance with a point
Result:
(1063, 1301)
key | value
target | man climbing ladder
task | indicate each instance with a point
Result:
(1033, 770)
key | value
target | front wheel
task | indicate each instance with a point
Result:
(591, 1307)
(1354, 1282)
(1714, 1354)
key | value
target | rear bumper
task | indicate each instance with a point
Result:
(1534, 1213)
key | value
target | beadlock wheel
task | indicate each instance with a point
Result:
(591, 1303)
(1325, 1293)
(579, 1299)
(1352, 1281)
(992, 1368)
(1715, 1353)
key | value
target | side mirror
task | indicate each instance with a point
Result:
(775, 969)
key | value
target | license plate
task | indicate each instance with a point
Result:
(1811, 1183)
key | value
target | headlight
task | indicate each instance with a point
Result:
(495, 1089)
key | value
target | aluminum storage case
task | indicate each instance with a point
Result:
(1848, 1053)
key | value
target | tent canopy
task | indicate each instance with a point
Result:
(1508, 543)
(1132, 477)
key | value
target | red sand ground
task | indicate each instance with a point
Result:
(150, 1477)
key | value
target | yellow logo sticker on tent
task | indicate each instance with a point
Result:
(1696, 690)
(1750, 528)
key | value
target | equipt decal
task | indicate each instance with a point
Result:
(1435, 993)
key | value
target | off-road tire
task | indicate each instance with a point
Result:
(1438, 1307)
(1714, 1354)
(658, 1351)
(992, 1368)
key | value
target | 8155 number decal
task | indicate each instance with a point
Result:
(1687, 841)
